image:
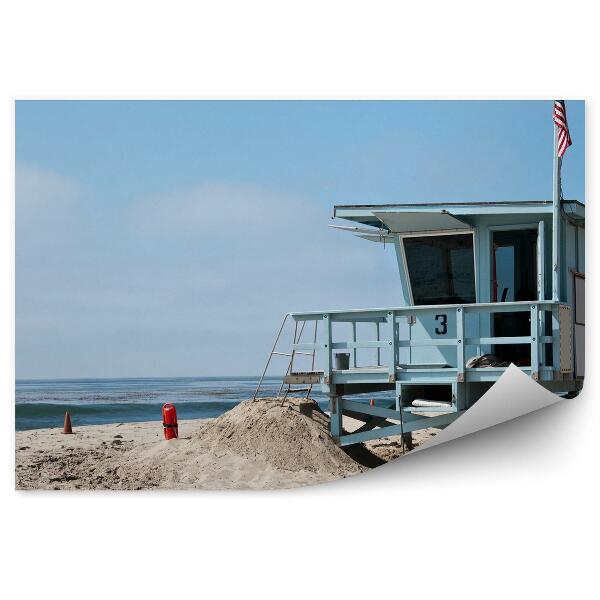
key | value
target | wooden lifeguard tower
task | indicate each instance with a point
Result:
(478, 279)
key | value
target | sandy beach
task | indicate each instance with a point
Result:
(256, 445)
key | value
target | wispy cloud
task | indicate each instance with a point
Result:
(44, 199)
(189, 282)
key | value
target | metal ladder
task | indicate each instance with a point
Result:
(285, 389)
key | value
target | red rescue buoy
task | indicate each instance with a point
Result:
(169, 413)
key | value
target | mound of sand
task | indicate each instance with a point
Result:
(290, 436)
(256, 445)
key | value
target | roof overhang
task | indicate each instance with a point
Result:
(463, 211)
(385, 220)
(413, 222)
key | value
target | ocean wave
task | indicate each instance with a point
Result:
(46, 414)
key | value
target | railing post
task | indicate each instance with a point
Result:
(555, 342)
(391, 329)
(479, 330)
(460, 345)
(354, 340)
(378, 349)
(535, 342)
(326, 336)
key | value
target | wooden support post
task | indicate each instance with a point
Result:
(460, 345)
(459, 393)
(335, 411)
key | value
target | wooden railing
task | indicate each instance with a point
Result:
(440, 326)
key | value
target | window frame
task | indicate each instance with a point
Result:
(470, 232)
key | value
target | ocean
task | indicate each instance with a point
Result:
(43, 402)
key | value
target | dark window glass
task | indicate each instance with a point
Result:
(441, 268)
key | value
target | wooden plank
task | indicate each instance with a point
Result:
(372, 314)
(407, 427)
(524, 339)
(308, 378)
(376, 411)
(354, 345)
(424, 342)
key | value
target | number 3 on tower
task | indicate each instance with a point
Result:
(443, 320)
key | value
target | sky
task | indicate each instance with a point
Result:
(169, 238)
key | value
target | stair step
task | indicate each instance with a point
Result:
(304, 377)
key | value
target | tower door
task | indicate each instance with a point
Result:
(514, 279)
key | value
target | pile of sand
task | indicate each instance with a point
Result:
(258, 444)
(290, 436)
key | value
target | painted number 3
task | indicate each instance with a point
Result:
(443, 321)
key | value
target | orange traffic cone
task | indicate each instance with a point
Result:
(67, 426)
(372, 403)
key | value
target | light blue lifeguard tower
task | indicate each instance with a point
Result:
(483, 285)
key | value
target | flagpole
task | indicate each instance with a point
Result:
(555, 218)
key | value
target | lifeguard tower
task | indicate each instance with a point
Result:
(477, 279)
(483, 285)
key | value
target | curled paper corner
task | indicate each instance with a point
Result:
(513, 395)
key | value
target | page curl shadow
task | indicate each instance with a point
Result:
(512, 396)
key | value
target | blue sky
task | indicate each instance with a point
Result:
(168, 238)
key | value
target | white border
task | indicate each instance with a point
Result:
(506, 496)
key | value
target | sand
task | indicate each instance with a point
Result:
(257, 445)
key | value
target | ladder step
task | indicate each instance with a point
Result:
(310, 377)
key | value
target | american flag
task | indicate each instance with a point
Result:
(560, 120)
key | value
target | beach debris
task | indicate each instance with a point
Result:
(67, 425)
(169, 413)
